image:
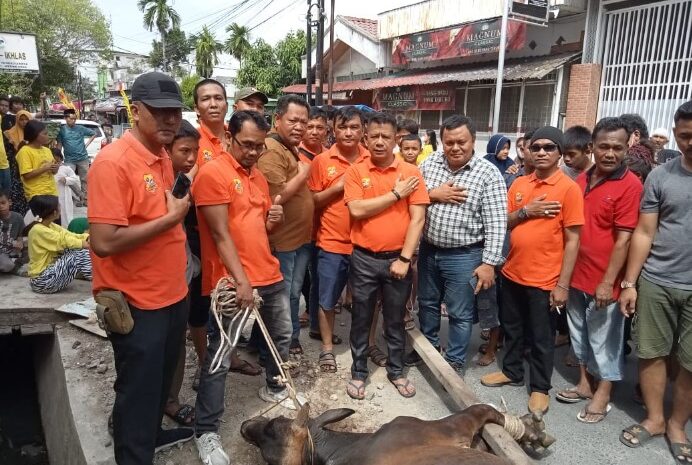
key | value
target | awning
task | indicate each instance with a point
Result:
(517, 69)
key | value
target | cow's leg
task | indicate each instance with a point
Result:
(468, 423)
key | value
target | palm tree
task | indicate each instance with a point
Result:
(159, 15)
(207, 49)
(238, 43)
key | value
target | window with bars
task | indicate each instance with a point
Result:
(538, 106)
(509, 109)
(478, 107)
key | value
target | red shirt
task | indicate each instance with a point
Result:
(609, 206)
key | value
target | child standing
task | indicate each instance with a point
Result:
(36, 163)
(11, 226)
(56, 255)
(68, 182)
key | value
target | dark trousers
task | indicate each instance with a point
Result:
(527, 319)
(145, 361)
(368, 276)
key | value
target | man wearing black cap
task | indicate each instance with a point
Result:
(249, 99)
(138, 247)
(546, 212)
(71, 141)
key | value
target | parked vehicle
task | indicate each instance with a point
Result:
(99, 141)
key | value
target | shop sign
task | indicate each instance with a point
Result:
(536, 10)
(471, 39)
(18, 53)
(436, 97)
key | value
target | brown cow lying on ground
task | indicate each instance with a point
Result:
(402, 441)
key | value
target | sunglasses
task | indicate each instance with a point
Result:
(535, 148)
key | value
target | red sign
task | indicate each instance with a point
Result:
(471, 39)
(435, 97)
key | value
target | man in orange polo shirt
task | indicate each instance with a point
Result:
(138, 247)
(546, 212)
(334, 224)
(315, 135)
(235, 216)
(386, 198)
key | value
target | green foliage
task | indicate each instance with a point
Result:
(178, 47)
(159, 15)
(67, 32)
(238, 43)
(207, 50)
(187, 87)
(268, 68)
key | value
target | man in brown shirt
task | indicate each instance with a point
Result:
(287, 178)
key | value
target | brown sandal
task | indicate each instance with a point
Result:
(327, 362)
(377, 356)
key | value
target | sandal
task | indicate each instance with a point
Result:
(570, 396)
(638, 432)
(185, 416)
(336, 340)
(295, 348)
(402, 385)
(327, 362)
(600, 416)
(359, 389)
(246, 368)
(377, 356)
(680, 449)
(484, 362)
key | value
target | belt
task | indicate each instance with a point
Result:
(462, 248)
(386, 255)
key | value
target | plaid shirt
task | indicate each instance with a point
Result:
(482, 217)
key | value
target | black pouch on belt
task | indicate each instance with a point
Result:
(113, 312)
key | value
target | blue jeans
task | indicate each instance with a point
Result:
(5, 179)
(294, 265)
(443, 276)
(596, 335)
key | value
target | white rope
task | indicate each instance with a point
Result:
(514, 426)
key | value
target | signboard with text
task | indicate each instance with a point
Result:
(18, 53)
(434, 97)
(536, 10)
(471, 39)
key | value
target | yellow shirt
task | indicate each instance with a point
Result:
(30, 159)
(425, 153)
(46, 243)
(4, 163)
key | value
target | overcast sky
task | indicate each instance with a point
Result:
(129, 33)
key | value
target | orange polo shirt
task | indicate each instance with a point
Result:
(334, 220)
(306, 155)
(385, 231)
(126, 187)
(210, 146)
(537, 245)
(224, 182)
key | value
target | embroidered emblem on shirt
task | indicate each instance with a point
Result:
(331, 171)
(518, 197)
(238, 185)
(366, 183)
(150, 183)
(207, 155)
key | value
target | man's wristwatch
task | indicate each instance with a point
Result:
(404, 259)
(523, 214)
(627, 285)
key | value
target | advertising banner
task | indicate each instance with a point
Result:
(435, 97)
(471, 39)
(18, 53)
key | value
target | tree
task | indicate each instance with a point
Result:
(187, 88)
(159, 15)
(178, 47)
(207, 50)
(238, 43)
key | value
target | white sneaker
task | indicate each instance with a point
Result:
(210, 450)
(281, 397)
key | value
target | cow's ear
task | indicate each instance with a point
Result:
(332, 416)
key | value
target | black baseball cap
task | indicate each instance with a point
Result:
(157, 90)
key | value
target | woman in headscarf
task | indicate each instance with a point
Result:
(15, 136)
(498, 153)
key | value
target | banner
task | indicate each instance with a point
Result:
(435, 97)
(531, 9)
(471, 39)
(18, 53)
(65, 100)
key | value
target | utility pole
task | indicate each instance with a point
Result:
(500, 66)
(308, 80)
(331, 54)
(319, 99)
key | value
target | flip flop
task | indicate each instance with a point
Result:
(185, 416)
(358, 388)
(581, 416)
(402, 387)
(246, 368)
(565, 396)
(680, 449)
(641, 434)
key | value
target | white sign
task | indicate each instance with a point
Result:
(18, 53)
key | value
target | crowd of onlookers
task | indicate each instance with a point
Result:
(578, 239)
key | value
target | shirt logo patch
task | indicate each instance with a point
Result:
(365, 182)
(331, 171)
(207, 155)
(150, 183)
(237, 183)
(518, 197)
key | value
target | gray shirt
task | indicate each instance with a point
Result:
(10, 229)
(668, 192)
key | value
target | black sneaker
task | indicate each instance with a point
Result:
(412, 359)
(170, 437)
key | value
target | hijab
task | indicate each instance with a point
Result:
(16, 134)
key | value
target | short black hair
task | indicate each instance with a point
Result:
(318, 113)
(235, 124)
(57, 153)
(639, 167)
(204, 82)
(635, 122)
(330, 110)
(16, 99)
(610, 124)
(412, 137)
(528, 134)
(186, 129)
(409, 125)
(577, 137)
(519, 139)
(5, 98)
(43, 205)
(32, 129)
(285, 100)
(382, 118)
(684, 111)
(4, 192)
(457, 121)
(69, 111)
(347, 113)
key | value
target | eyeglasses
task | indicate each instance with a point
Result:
(535, 148)
(247, 148)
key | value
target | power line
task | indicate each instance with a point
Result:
(275, 14)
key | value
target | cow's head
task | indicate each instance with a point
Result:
(281, 440)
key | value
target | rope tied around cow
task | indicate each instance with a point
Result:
(231, 319)
(514, 426)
